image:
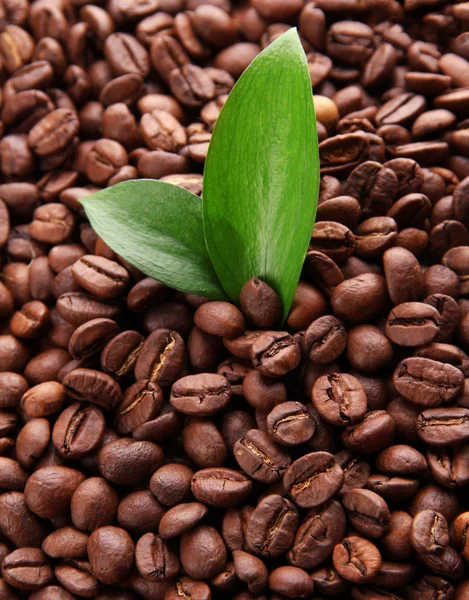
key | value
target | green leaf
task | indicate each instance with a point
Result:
(157, 227)
(261, 178)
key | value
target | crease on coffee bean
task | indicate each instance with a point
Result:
(298, 488)
(224, 389)
(326, 337)
(74, 427)
(158, 559)
(129, 361)
(272, 527)
(181, 592)
(156, 370)
(134, 402)
(355, 561)
(100, 271)
(296, 417)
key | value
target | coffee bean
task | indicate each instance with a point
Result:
(261, 458)
(374, 433)
(429, 532)
(76, 576)
(368, 349)
(125, 461)
(53, 223)
(367, 511)
(220, 318)
(120, 354)
(49, 490)
(202, 552)
(324, 340)
(52, 133)
(27, 569)
(275, 353)
(339, 398)
(78, 308)
(443, 426)
(88, 385)
(100, 276)
(322, 529)
(375, 186)
(32, 441)
(356, 559)
(290, 424)
(448, 466)
(427, 382)
(139, 512)
(160, 357)
(260, 303)
(126, 55)
(43, 399)
(220, 487)
(271, 527)
(78, 430)
(111, 554)
(251, 570)
(412, 324)
(401, 460)
(94, 504)
(201, 395)
(142, 402)
(154, 559)
(181, 518)
(171, 483)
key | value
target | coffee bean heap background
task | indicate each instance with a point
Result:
(154, 445)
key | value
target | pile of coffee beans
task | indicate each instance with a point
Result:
(160, 446)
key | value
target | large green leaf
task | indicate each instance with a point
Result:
(261, 176)
(157, 227)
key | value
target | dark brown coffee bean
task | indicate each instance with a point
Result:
(100, 276)
(334, 240)
(324, 340)
(52, 133)
(260, 303)
(49, 490)
(260, 458)
(76, 576)
(12, 388)
(275, 353)
(162, 131)
(88, 385)
(139, 512)
(171, 483)
(443, 426)
(94, 504)
(120, 354)
(32, 441)
(111, 554)
(322, 529)
(142, 402)
(201, 395)
(91, 337)
(313, 479)
(427, 382)
(181, 518)
(53, 223)
(356, 559)
(449, 466)
(271, 527)
(27, 569)
(43, 399)
(220, 318)
(12, 475)
(429, 532)
(361, 298)
(429, 585)
(202, 552)
(220, 487)
(403, 275)
(191, 85)
(160, 358)
(126, 55)
(412, 324)
(368, 349)
(125, 461)
(401, 460)
(367, 511)
(204, 453)
(374, 433)
(290, 424)
(154, 559)
(78, 308)
(78, 430)
(374, 186)
(339, 398)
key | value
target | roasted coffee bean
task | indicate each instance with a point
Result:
(154, 559)
(78, 308)
(427, 382)
(261, 458)
(339, 398)
(429, 532)
(32, 441)
(78, 430)
(27, 569)
(139, 512)
(43, 399)
(322, 529)
(220, 487)
(372, 434)
(260, 303)
(126, 462)
(356, 559)
(368, 349)
(120, 354)
(271, 527)
(201, 395)
(412, 324)
(290, 424)
(251, 570)
(449, 466)
(367, 511)
(275, 353)
(88, 385)
(94, 504)
(76, 576)
(160, 358)
(443, 426)
(181, 518)
(49, 490)
(91, 337)
(220, 318)
(203, 443)
(202, 552)
(126, 55)
(111, 554)
(171, 483)
(100, 276)
(142, 402)
(313, 479)
(401, 460)
(324, 340)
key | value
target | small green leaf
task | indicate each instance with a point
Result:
(157, 227)
(261, 177)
